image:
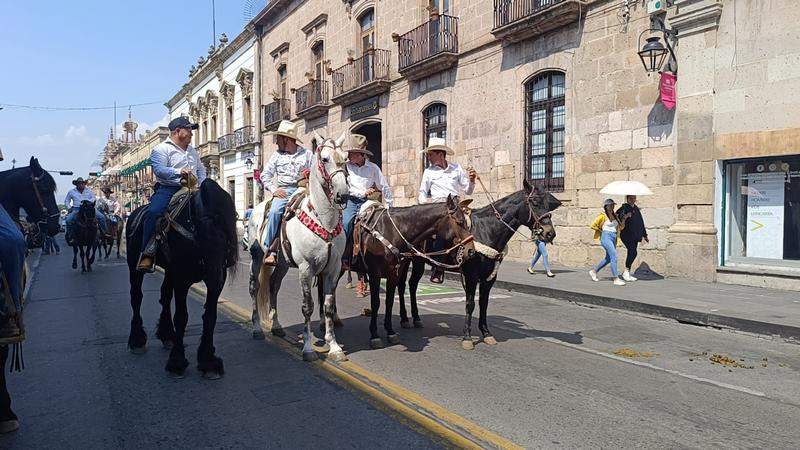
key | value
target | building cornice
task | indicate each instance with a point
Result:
(695, 16)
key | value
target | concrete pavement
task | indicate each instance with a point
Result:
(83, 389)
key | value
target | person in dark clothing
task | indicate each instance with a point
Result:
(633, 233)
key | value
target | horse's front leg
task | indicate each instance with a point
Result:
(207, 361)
(83, 258)
(256, 258)
(177, 362)
(402, 276)
(74, 256)
(470, 284)
(417, 272)
(165, 329)
(375, 304)
(335, 352)
(137, 340)
(306, 277)
(483, 304)
(391, 283)
(275, 286)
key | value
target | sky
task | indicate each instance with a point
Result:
(91, 53)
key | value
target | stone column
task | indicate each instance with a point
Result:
(692, 239)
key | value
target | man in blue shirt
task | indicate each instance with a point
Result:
(171, 160)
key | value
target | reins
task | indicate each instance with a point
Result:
(427, 255)
(532, 218)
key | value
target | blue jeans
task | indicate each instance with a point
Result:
(12, 257)
(276, 214)
(50, 244)
(73, 216)
(158, 204)
(349, 222)
(609, 242)
(541, 252)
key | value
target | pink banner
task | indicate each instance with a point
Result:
(668, 80)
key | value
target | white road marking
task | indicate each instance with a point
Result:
(621, 359)
(462, 299)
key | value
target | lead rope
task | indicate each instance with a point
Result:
(416, 252)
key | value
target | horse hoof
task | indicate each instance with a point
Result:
(337, 357)
(489, 340)
(138, 350)
(74, 266)
(393, 338)
(405, 324)
(310, 356)
(176, 375)
(467, 344)
(278, 332)
(418, 324)
(211, 375)
(258, 335)
(376, 343)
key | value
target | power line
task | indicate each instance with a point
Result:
(75, 108)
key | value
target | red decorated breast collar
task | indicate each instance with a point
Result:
(318, 229)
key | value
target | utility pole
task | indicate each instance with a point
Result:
(213, 23)
(113, 129)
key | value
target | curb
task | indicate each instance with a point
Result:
(788, 332)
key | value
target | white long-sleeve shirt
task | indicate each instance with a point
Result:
(364, 177)
(111, 204)
(283, 169)
(75, 197)
(168, 159)
(438, 183)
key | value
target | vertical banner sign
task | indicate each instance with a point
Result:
(765, 215)
(668, 80)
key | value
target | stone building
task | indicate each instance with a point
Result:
(219, 96)
(554, 91)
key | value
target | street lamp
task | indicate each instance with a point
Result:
(249, 161)
(653, 53)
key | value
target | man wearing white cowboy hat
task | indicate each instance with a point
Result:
(365, 179)
(288, 165)
(441, 179)
(73, 201)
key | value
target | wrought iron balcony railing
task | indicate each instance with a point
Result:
(436, 37)
(516, 20)
(276, 111)
(312, 99)
(360, 73)
(244, 136)
(226, 142)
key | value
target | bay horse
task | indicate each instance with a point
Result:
(389, 238)
(493, 226)
(85, 236)
(113, 236)
(316, 244)
(208, 254)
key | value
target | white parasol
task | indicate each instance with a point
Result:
(626, 188)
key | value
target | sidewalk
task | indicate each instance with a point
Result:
(744, 308)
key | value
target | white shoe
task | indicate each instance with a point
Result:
(618, 282)
(593, 275)
(628, 277)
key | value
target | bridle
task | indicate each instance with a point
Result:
(45, 212)
(327, 178)
(534, 220)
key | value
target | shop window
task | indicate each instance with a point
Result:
(545, 130)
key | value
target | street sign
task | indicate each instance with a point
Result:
(365, 108)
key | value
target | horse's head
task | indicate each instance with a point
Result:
(86, 210)
(453, 227)
(329, 170)
(39, 202)
(539, 205)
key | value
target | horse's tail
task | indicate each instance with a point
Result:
(264, 293)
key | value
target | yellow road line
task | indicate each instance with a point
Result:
(432, 417)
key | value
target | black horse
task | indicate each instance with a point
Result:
(493, 226)
(210, 217)
(84, 236)
(32, 189)
(114, 224)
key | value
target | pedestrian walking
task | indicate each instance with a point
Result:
(541, 252)
(633, 233)
(607, 227)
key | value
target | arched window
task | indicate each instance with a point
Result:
(544, 130)
(367, 25)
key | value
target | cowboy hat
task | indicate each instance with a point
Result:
(356, 143)
(107, 190)
(288, 129)
(78, 180)
(438, 144)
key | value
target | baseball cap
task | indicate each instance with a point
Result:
(181, 122)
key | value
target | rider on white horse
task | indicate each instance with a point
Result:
(285, 168)
(441, 179)
(75, 197)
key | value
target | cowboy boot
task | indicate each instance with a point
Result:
(271, 258)
(147, 261)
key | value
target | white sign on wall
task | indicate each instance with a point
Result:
(765, 209)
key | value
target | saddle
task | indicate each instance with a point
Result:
(292, 209)
(366, 218)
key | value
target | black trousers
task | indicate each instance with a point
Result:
(5, 398)
(633, 252)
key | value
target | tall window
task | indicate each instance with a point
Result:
(434, 122)
(317, 58)
(248, 192)
(367, 22)
(229, 119)
(204, 132)
(247, 111)
(544, 130)
(214, 127)
(282, 81)
(232, 189)
(442, 5)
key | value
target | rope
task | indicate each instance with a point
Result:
(499, 216)
(426, 256)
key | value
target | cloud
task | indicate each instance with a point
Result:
(36, 141)
(75, 134)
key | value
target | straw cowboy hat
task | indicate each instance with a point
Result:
(78, 180)
(356, 143)
(438, 144)
(288, 129)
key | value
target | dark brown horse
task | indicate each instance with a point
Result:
(113, 236)
(389, 238)
(85, 236)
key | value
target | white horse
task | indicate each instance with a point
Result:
(316, 244)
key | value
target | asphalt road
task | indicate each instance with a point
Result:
(554, 379)
(83, 389)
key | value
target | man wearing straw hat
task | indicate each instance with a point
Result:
(288, 165)
(440, 179)
(366, 183)
(73, 201)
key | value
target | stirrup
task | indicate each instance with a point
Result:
(271, 259)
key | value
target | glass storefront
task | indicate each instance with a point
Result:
(762, 212)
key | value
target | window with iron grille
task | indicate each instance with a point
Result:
(545, 131)
(434, 124)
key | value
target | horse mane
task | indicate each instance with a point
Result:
(219, 206)
(490, 231)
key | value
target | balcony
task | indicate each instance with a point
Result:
(226, 143)
(361, 78)
(208, 149)
(428, 49)
(244, 136)
(276, 111)
(517, 20)
(312, 100)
